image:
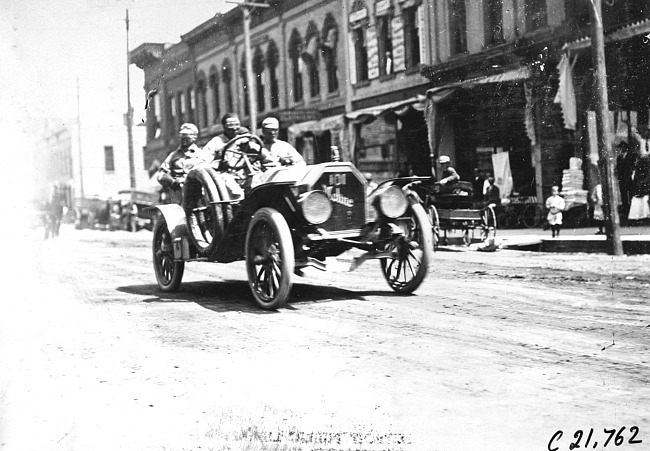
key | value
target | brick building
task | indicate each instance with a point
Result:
(400, 82)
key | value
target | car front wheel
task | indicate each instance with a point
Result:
(410, 253)
(270, 258)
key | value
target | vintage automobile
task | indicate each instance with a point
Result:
(145, 201)
(288, 219)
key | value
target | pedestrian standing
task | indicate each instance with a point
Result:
(640, 204)
(625, 163)
(597, 202)
(555, 204)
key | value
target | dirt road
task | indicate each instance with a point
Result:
(496, 351)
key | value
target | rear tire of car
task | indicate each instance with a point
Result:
(415, 248)
(168, 272)
(205, 221)
(270, 258)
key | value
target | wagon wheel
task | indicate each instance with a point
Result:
(435, 225)
(489, 223)
(410, 254)
(270, 258)
(531, 216)
(202, 209)
(168, 272)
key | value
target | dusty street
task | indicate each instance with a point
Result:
(496, 351)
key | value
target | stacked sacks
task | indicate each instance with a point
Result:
(572, 182)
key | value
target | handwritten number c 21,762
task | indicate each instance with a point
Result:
(610, 434)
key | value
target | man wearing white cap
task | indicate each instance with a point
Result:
(277, 152)
(173, 170)
(448, 173)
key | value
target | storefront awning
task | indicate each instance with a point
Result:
(316, 127)
(521, 73)
(639, 28)
(369, 114)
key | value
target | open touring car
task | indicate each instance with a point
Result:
(288, 219)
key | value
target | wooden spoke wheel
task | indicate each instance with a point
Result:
(169, 273)
(270, 258)
(410, 254)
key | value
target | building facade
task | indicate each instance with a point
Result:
(397, 83)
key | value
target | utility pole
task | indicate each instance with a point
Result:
(606, 156)
(246, 8)
(81, 166)
(128, 118)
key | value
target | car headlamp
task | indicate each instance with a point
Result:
(316, 207)
(393, 202)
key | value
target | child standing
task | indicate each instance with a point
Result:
(597, 199)
(555, 205)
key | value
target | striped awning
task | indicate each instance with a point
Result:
(639, 28)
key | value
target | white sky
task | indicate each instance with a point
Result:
(46, 44)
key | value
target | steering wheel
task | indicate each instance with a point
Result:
(239, 151)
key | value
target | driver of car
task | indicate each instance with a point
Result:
(174, 169)
(231, 128)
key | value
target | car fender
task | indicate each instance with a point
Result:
(175, 218)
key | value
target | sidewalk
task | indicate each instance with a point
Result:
(635, 239)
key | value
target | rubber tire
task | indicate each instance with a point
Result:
(224, 194)
(169, 273)
(435, 225)
(198, 191)
(274, 221)
(424, 239)
(490, 224)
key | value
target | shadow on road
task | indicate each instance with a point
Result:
(235, 295)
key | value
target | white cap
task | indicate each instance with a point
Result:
(444, 159)
(270, 122)
(189, 129)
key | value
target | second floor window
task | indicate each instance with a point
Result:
(295, 49)
(153, 117)
(180, 107)
(457, 27)
(360, 53)
(536, 17)
(412, 35)
(201, 93)
(172, 126)
(328, 48)
(385, 45)
(272, 60)
(493, 14)
(258, 70)
(191, 105)
(213, 81)
(109, 161)
(226, 76)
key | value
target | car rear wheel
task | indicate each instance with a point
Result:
(270, 258)
(410, 254)
(168, 272)
(203, 212)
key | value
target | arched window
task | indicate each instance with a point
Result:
(383, 20)
(202, 103)
(272, 60)
(258, 69)
(242, 74)
(226, 77)
(310, 56)
(358, 34)
(295, 49)
(214, 93)
(330, 38)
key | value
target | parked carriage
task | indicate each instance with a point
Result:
(289, 219)
(455, 211)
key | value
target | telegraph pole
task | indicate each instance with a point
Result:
(606, 156)
(128, 118)
(81, 166)
(246, 8)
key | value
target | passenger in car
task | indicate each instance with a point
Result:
(174, 169)
(275, 151)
